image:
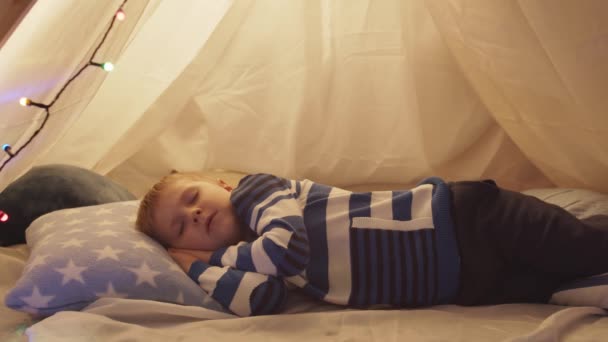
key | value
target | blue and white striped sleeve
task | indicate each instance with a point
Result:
(269, 205)
(243, 293)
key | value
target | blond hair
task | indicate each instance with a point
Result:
(145, 214)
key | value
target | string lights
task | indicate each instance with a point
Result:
(25, 102)
(8, 149)
(120, 15)
(3, 216)
(107, 66)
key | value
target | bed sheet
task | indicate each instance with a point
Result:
(120, 320)
(12, 323)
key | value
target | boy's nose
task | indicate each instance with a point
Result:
(196, 216)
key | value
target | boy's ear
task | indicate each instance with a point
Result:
(224, 185)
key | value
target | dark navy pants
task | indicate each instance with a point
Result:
(517, 248)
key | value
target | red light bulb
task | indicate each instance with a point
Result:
(3, 216)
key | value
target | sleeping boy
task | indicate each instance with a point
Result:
(467, 243)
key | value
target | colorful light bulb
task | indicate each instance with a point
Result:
(24, 101)
(107, 66)
(7, 149)
(3, 216)
(120, 15)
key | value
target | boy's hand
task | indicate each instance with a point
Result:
(185, 257)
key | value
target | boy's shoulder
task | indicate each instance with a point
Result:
(261, 183)
(256, 177)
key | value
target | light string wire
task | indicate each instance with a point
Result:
(118, 15)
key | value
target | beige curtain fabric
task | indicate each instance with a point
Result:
(348, 93)
(541, 68)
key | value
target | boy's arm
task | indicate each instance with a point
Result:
(269, 205)
(243, 293)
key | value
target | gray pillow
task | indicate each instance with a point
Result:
(52, 187)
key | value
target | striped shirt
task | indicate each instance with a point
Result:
(348, 248)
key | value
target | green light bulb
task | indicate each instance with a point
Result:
(107, 66)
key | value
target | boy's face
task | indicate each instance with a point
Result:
(195, 215)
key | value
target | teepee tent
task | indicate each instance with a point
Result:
(342, 92)
(360, 94)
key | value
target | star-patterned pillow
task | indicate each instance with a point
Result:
(79, 255)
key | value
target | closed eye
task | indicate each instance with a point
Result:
(194, 197)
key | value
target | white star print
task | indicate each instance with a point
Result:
(107, 253)
(71, 272)
(105, 223)
(45, 226)
(73, 242)
(144, 274)
(71, 212)
(143, 245)
(44, 241)
(107, 232)
(75, 230)
(74, 222)
(37, 260)
(37, 300)
(103, 211)
(110, 292)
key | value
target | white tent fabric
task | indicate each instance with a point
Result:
(341, 92)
